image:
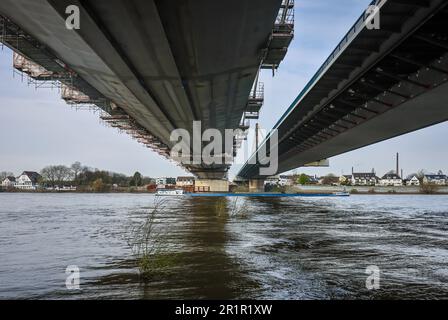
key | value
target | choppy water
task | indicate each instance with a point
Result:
(298, 248)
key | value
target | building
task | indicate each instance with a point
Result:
(9, 182)
(438, 179)
(313, 179)
(364, 179)
(28, 180)
(272, 181)
(165, 181)
(391, 180)
(414, 181)
(285, 181)
(185, 181)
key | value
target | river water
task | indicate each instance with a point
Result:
(242, 248)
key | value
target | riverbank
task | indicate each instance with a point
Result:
(302, 190)
(123, 191)
(369, 190)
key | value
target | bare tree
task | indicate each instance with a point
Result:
(49, 175)
(63, 174)
(330, 179)
(76, 169)
(5, 174)
(56, 174)
(421, 175)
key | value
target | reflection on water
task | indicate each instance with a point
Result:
(289, 248)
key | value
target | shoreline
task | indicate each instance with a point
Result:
(307, 192)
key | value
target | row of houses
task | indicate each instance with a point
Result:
(28, 180)
(391, 179)
(363, 179)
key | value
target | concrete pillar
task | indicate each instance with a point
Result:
(210, 185)
(256, 185)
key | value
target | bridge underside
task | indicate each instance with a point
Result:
(378, 84)
(162, 64)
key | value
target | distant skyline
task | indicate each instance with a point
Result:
(37, 128)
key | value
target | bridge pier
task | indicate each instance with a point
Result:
(212, 185)
(256, 185)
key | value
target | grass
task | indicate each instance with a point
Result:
(233, 208)
(147, 244)
(239, 210)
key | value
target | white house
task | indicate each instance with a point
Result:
(414, 181)
(28, 180)
(9, 182)
(364, 179)
(391, 179)
(438, 179)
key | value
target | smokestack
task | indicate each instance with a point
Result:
(398, 164)
(353, 170)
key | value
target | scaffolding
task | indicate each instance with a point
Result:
(256, 98)
(281, 37)
(39, 67)
(38, 76)
(124, 123)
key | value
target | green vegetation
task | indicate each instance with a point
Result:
(220, 207)
(136, 180)
(148, 246)
(303, 179)
(275, 188)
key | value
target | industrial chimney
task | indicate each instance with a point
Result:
(398, 164)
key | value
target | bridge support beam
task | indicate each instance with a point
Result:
(322, 163)
(212, 185)
(256, 185)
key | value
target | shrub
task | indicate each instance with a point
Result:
(428, 188)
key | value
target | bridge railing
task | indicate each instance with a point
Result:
(348, 37)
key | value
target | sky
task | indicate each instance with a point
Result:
(38, 129)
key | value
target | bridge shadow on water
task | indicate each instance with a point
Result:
(195, 263)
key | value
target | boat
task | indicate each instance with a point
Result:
(170, 192)
(271, 195)
(341, 194)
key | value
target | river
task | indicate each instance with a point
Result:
(224, 248)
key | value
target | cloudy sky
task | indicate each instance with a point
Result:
(37, 128)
